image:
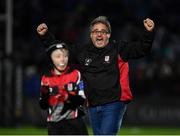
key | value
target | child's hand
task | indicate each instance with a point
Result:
(42, 29)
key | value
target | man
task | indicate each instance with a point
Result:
(106, 89)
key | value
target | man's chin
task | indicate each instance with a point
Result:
(99, 45)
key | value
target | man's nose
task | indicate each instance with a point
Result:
(99, 33)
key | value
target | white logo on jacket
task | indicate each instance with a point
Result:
(87, 61)
(107, 59)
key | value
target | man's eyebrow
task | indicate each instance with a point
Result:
(100, 29)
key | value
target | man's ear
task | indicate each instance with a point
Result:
(108, 35)
(91, 35)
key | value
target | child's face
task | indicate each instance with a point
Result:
(60, 58)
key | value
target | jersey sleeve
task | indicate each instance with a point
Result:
(80, 85)
(79, 98)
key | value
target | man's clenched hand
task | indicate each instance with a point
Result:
(149, 24)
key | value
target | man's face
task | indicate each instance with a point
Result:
(60, 58)
(100, 35)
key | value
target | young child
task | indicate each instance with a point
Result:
(62, 94)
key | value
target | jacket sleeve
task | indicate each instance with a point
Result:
(138, 48)
(49, 39)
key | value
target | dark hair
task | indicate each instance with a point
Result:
(103, 20)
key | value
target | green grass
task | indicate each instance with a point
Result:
(149, 131)
(23, 131)
(124, 131)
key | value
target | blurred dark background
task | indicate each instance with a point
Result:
(154, 79)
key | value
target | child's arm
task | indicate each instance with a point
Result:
(76, 93)
(44, 96)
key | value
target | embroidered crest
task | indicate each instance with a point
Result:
(70, 87)
(87, 61)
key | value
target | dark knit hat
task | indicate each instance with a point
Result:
(55, 46)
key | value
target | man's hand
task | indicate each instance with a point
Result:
(42, 29)
(149, 24)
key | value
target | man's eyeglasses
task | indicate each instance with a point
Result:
(103, 32)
